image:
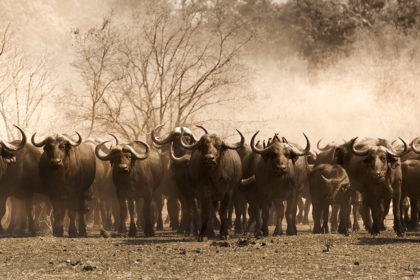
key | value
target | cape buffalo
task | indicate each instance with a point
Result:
(179, 158)
(215, 170)
(329, 184)
(67, 169)
(376, 173)
(281, 172)
(136, 175)
(19, 175)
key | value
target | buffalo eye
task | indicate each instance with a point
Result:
(383, 158)
(62, 146)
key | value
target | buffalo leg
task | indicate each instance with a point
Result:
(28, 206)
(147, 212)
(387, 203)
(132, 230)
(123, 215)
(158, 199)
(301, 207)
(316, 215)
(396, 203)
(280, 215)
(72, 224)
(3, 199)
(345, 208)
(224, 220)
(291, 214)
(377, 214)
(173, 212)
(414, 213)
(334, 213)
(307, 207)
(206, 208)
(325, 213)
(356, 226)
(59, 212)
(265, 217)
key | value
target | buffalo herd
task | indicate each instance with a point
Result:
(205, 179)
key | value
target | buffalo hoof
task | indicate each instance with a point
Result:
(412, 226)
(317, 230)
(122, 229)
(383, 227)
(159, 225)
(356, 226)
(258, 234)
(148, 231)
(200, 238)
(224, 237)
(83, 233)
(73, 234)
(132, 232)
(58, 233)
(278, 231)
(291, 231)
(265, 231)
(305, 221)
(299, 218)
(399, 230)
(343, 230)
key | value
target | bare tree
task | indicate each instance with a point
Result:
(172, 65)
(24, 85)
(96, 62)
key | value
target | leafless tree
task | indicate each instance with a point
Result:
(24, 85)
(170, 66)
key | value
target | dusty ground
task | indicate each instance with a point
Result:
(170, 256)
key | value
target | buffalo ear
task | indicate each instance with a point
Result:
(393, 162)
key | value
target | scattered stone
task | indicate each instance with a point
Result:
(183, 252)
(76, 263)
(68, 261)
(242, 243)
(272, 241)
(285, 243)
(356, 263)
(220, 244)
(138, 261)
(217, 251)
(263, 244)
(88, 268)
(50, 262)
(253, 242)
(198, 251)
(327, 249)
(64, 250)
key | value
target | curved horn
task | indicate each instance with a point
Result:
(75, 144)
(175, 159)
(98, 151)
(115, 137)
(413, 146)
(394, 154)
(237, 145)
(305, 151)
(254, 148)
(184, 145)
(22, 143)
(138, 155)
(264, 145)
(356, 152)
(248, 181)
(40, 144)
(325, 148)
(284, 140)
(203, 128)
(163, 141)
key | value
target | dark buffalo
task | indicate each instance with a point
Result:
(410, 185)
(136, 175)
(179, 167)
(67, 169)
(281, 172)
(375, 171)
(329, 184)
(19, 175)
(215, 170)
(104, 204)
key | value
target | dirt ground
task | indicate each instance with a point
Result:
(171, 256)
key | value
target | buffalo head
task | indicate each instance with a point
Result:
(378, 157)
(57, 147)
(211, 148)
(7, 150)
(280, 156)
(122, 156)
(339, 182)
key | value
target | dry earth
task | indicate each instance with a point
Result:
(171, 256)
